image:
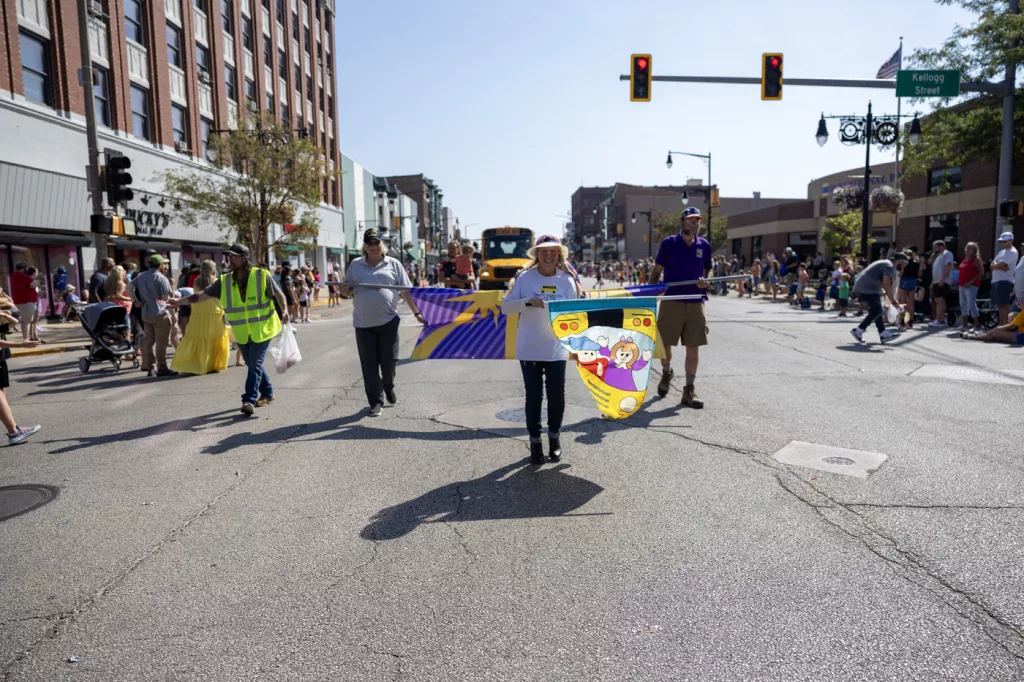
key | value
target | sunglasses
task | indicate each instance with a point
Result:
(375, 242)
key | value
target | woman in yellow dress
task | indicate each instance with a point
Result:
(205, 346)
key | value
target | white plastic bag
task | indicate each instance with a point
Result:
(285, 350)
(893, 313)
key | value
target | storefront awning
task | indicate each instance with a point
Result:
(331, 249)
(143, 245)
(17, 237)
(288, 248)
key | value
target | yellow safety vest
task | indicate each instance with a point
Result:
(252, 318)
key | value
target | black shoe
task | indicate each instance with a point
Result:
(536, 453)
(391, 398)
(554, 450)
(666, 379)
(375, 409)
(148, 372)
(166, 372)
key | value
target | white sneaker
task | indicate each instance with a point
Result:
(21, 433)
(936, 323)
(888, 335)
(858, 334)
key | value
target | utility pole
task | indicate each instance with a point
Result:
(1006, 143)
(93, 170)
(865, 217)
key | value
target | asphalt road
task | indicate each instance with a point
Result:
(314, 543)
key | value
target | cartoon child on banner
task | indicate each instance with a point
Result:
(616, 372)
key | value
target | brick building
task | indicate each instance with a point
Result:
(429, 200)
(169, 74)
(952, 203)
(603, 216)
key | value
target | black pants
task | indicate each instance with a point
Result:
(875, 314)
(534, 374)
(378, 354)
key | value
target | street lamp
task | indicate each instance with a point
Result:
(868, 130)
(686, 197)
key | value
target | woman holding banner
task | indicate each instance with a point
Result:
(548, 277)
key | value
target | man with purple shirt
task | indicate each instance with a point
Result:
(683, 257)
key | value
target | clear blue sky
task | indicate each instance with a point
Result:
(512, 106)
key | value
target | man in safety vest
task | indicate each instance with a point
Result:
(247, 294)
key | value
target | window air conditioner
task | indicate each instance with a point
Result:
(181, 147)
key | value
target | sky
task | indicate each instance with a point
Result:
(510, 107)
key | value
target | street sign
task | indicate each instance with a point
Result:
(927, 83)
(715, 200)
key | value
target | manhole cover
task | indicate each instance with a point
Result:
(518, 414)
(841, 461)
(21, 499)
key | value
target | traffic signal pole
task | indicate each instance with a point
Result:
(1006, 143)
(93, 170)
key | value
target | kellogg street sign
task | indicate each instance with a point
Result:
(927, 83)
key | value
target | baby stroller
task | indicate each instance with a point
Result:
(107, 327)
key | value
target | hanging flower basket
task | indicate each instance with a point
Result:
(886, 199)
(848, 198)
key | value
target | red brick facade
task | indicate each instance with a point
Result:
(65, 61)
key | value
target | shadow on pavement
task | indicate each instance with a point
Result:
(192, 424)
(874, 348)
(515, 491)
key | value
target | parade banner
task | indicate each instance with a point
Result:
(611, 341)
(641, 290)
(464, 325)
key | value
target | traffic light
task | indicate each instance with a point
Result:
(1011, 209)
(640, 78)
(771, 76)
(118, 180)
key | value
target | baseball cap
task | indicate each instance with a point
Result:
(371, 235)
(156, 259)
(1006, 237)
(237, 250)
(691, 210)
(900, 256)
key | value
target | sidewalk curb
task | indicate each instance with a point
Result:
(73, 346)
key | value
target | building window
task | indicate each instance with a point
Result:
(305, 34)
(945, 227)
(230, 83)
(247, 42)
(179, 124)
(330, 104)
(321, 100)
(298, 78)
(227, 16)
(203, 59)
(944, 180)
(35, 68)
(201, 5)
(174, 56)
(295, 26)
(205, 125)
(268, 50)
(270, 103)
(140, 112)
(285, 120)
(133, 21)
(301, 125)
(282, 65)
(279, 9)
(250, 93)
(100, 97)
(309, 88)
(755, 247)
(266, 4)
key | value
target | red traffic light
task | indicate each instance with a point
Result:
(641, 63)
(775, 61)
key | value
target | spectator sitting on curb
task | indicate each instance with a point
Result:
(1007, 333)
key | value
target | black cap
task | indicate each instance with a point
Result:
(237, 250)
(371, 235)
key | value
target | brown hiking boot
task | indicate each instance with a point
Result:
(666, 378)
(690, 398)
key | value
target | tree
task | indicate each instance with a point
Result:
(667, 223)
(274, 177)
(842, 235)
(972, 128)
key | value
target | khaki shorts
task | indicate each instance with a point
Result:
(683, 321)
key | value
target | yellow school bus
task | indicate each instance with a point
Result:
(503, 254)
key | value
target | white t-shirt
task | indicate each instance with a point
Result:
(1008, 256)
(535, 341)
(1018, 282)
(939, 266)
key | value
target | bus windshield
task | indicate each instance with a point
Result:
(507, 246)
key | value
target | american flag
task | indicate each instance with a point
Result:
(890, 68)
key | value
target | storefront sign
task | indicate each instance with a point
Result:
(148, 223)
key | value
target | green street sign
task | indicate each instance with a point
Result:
(927, 83)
